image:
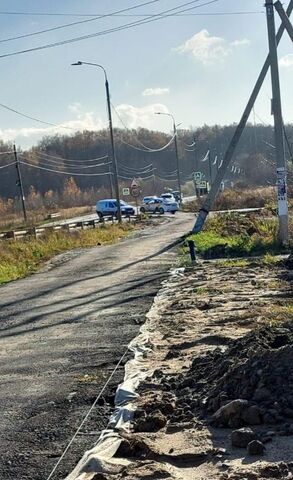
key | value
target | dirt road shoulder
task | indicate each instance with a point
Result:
(222, 350)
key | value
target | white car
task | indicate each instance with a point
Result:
(159, 205)
(169, 197)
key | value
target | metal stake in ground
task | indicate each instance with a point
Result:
(19, 183)
(278, 126)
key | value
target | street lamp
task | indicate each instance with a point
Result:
(176, 148)
(114, 160)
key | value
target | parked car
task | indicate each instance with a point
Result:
(108, 208)
(159, 205)
(148, 199)
(177, 196)
(168, 196)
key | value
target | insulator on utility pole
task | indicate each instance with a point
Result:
(207, 205)
(278, 126)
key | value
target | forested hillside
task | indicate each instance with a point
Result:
(50, 165)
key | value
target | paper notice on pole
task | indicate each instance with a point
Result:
(282, 191)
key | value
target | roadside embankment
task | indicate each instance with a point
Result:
(219, 403)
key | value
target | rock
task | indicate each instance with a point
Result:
(230, 410)
(242, 437)
(252, 415)
(256, 448)
(152, 423)
(261, 393)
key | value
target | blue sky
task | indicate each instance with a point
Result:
(200, 68)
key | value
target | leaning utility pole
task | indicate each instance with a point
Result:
(19, 183)
(278, 126)
(207, 205)
(114, 159)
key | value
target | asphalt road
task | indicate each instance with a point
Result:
(61, 333)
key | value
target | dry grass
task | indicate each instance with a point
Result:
(22, 257)
(10, 221)
(242, 198)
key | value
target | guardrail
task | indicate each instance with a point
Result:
(38, 232)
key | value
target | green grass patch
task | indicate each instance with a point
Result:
(22, 257)
(235, 235)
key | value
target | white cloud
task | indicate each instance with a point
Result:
(208, 49)
(240, 43)
(75, 107)
(286, 61)
(131, 116)
(155, 91)
(134, 117)
(27, 136)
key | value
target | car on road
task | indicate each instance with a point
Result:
(168, 196)
(159, 205)
(177, 196)
(149, 198)
(108, 208)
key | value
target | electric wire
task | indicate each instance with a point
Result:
(87, 415)
(8, 165)
(153, 150)
(5, 153)
(44, 14)
(152, 18)
(72, 24)
(125, 126)
(285, 135)
(74, 174)
(45, 163)
(135, 172)
(135, 169)
(34, 118)
(81, 161)
(141, 178)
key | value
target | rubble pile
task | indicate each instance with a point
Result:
(247, 382)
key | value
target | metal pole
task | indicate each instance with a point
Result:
(19, 183)
(210, 169)
(285, 19)
(177, 159)
(110, 182)
(195, 164)
(204, 211)
(114, 160)
(278, 126)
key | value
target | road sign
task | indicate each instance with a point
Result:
(125, 191)
(134, 183)
(201, 184)
(197, 175)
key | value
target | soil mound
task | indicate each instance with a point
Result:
(255, 371)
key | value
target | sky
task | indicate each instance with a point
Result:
(200, 66)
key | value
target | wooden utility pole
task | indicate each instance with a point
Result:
(278, 126)
(207, 205)
(19, 183)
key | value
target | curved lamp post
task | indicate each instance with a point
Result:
(114, 160)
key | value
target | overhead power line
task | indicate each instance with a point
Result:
(64, 173)
(152, 18)
(150, 150)
(43, 14)
(69, 160)
(8, 165)
(34, 118)
(72, 24)
(57, 165)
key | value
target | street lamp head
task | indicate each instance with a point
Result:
(77, 63)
